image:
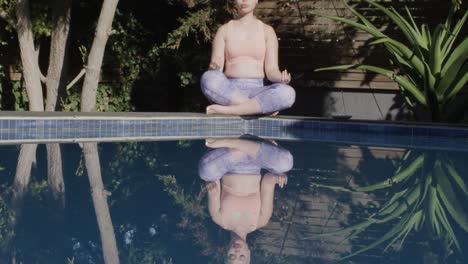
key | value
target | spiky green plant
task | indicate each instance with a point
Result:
(421, 194)
(431, 71)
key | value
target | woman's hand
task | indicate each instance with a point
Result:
(277, 76)
(216, 64)
(213, 188)
(280, 179)
(285, 77)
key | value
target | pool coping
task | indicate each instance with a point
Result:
(184, 115)
(38, 127)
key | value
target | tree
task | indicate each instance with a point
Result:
(57, 64)
(96, 55)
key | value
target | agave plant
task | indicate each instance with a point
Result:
(423, 193)
(431, 70)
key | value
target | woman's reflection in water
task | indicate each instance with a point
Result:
(240, 199)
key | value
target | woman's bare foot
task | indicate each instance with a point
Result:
(275, 113)
(215, 109)
(249, 107)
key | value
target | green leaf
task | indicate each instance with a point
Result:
(450, 170)
(407, 53)
(457, 59)
(359, 226)
(423, 41)
(451, 69)
(450, 202)
(361, 17)
(397, 229)
(398, 20)
(431, 210)
(410, 225)
(453, 35)
(458, 83)
(440, 212)
(435, 60)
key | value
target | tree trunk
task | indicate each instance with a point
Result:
(56, 73)
(29, 61)
(55, 174)
(96, 55)
(26, 157)
(106, 230)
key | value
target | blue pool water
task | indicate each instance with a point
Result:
(398, 204)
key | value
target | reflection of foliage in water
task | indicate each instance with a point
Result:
(6, 234)
(193, 219)
(181, 218)
(424, 193)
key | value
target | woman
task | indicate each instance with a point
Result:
(240, 199)
(246, 50)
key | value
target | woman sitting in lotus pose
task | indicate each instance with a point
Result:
(240, 199)
(246, 50)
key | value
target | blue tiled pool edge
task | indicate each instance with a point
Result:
(35, 127)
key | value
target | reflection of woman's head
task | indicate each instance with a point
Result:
(238, 251)
(245, 6)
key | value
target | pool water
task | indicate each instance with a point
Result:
(146, 202)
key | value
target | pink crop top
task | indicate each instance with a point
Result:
(234, 205)
(238, 50)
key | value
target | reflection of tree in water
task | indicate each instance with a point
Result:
(101, 208)
(24, 195)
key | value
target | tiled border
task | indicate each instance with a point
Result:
(29, 127)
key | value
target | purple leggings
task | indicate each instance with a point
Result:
(220, 89)
(214, 164)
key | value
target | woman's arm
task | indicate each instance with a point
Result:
(267, 193)
(214, 201)
(272, 70)
(217, 52)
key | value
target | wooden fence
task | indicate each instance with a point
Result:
(309, 41)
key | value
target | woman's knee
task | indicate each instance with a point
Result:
(211, 79)
(287, 95)
(215, 86)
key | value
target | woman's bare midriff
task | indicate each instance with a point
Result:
(242, 183)
(244, 70)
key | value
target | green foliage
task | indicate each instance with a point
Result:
(2, 77)
(188, 45)
(40, 16)
(71, 103)
(186, 78)
(431, 70)
(12, 91)
(426, 192)
(457, 4)
(37, 190)
(9, 7)
(20, 95)
(148, 253)
(111, 97)
(191, 206)
(41, 20)
(6, 233)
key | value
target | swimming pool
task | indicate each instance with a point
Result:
(141, 198)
